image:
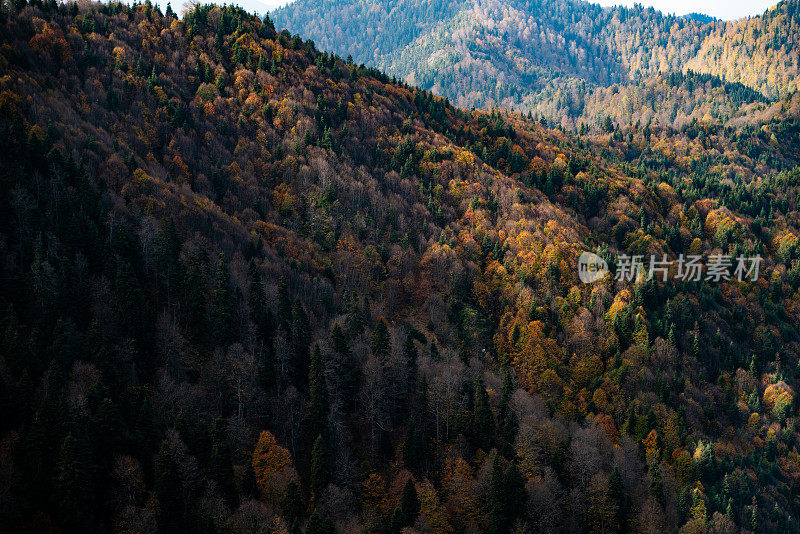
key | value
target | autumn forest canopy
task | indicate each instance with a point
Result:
(250, 285)
(574, 62)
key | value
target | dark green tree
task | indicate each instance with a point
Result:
(292, 504)
(108, 431)
(656, 484)
(220, 462)
(222, 304)
(414, 447)
(194, 300)
(260, 313)
(284, 306)
(507, 419)
(318, 393)
(320, 465)
(435, 356)
(319, 525)
(167, 491)
(339, 340)
(617, 495)
(381, 344)
(483, 420)
(398, 521)
(130, 301)
(509, 427)
(409, 502)
(76, 482)
(344, 367)
(410, 354)
(409, 169)
(301, 342)
(355, 319)
(506, 496)
(168, 259)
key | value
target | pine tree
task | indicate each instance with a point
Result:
(506, 496)
(409, 502)
(167, 259)
(238, 55)
(301, 342)
(507, 419)
(320, 468)
(292, 503)
(284, 306)
(656, 485)
(167, 491)
(260, 313)
(498, 520)
(339, 340)
(414, 447)
(409, 168)
(130, 301)
(729, 510)
(222, 306)
(327, 139)
(505, 397)
(108, 430)
(508, 434)
(220, 460)
(410, 354)
(617, 495)
(318, 525)
(152, 80)
(381, 343)
(483, 419)
(435, 356)
(76, 482)
(344, 367)
(318, 393)
(355, 320)
(398, 521)
(514, 484)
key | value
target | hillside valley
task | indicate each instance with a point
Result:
(249, 285)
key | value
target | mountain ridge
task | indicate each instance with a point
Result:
(245, 283)
(531, 57)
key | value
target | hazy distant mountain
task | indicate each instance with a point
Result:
(547, 56)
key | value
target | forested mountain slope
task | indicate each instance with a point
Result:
(249, 286)
(760, 52)
(546, 57)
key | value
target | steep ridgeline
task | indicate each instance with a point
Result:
(248, 284)
(556, 57)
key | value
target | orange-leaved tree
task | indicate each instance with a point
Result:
(273, 467)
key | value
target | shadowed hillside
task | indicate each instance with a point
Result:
(247, 285)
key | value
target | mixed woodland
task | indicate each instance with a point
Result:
(568, 60)
(248, 285)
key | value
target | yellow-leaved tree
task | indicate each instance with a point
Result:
(273, 468)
